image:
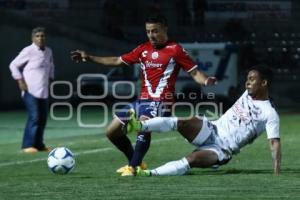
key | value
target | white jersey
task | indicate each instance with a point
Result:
(246, 120)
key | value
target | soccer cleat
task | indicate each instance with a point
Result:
(128, 171)
(143, 165)
(30, 150)
(133, 125)
(121, 169)
(46, 149)
(141, 172)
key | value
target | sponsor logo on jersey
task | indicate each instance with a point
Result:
(242, 113)
(153, 65)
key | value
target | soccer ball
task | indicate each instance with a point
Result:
(61, 160)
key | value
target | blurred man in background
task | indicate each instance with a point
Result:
(32, 69)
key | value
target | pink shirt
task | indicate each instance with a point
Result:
(37, 67)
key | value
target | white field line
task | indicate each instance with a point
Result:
(5, 164)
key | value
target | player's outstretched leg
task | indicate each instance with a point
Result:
(157, 124)
(189, 128)
(201, 159)
(178, 167)
(141, 147)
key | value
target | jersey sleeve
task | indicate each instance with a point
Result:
(184, 60)
(133, 56)
(272, 126)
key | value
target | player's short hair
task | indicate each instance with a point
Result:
(38, 30)
(264, 71)
(157, 19)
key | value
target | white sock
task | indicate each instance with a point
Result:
(160, 124)
(178, 167)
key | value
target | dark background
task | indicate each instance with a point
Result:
(263, 32)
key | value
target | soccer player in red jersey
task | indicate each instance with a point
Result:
(161, 60)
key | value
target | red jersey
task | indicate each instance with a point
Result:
(160, 68)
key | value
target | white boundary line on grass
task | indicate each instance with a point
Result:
(77, 154)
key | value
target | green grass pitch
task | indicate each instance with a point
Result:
(248, 175)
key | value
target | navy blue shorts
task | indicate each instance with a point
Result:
(147, 108)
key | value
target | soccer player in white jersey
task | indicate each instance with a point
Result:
(217, 141)
(161, 60)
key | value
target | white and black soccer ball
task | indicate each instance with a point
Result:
(61, 160)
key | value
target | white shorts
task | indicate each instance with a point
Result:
(208, 139)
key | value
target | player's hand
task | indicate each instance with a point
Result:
(22, 85)
(211, 81)
(79, 56)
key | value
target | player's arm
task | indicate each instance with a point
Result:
(202, 78)
(275, 147)
(184, 60)
(82, 56)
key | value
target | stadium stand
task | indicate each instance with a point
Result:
(272, 38)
